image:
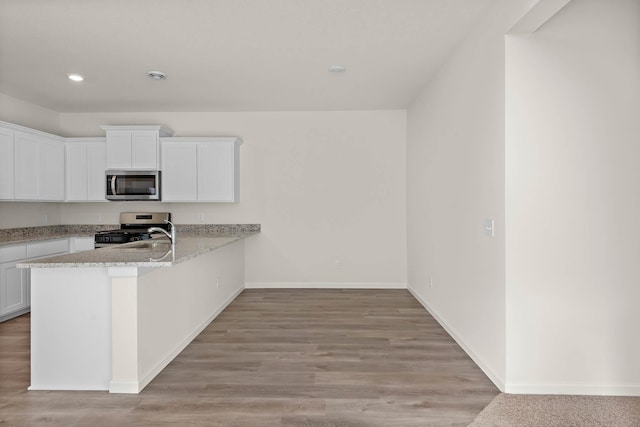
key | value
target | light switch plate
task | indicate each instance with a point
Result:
(489, 228)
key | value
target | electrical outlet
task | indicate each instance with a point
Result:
(338, 264)
(99, 218)
(489, 227)
(430, 282)
(46, 218)
(201, 217)
(218, 281)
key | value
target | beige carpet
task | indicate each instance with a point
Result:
(551, 410)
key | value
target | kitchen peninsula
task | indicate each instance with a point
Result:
(113, 318)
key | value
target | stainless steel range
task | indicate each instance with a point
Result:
(133, 226)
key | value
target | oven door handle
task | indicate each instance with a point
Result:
(113, 185)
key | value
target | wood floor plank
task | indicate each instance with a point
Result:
(279, 357)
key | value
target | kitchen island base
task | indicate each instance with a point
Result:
(116, 328)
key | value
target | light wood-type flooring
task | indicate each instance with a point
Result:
(279, 357)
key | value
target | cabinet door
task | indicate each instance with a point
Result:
(47, 248)
(179, 174)
(6, 164)
(27, 166)
(76, 171)
(118, 149)
(216, 172)
(13, 288)
(96, 166)
(144, 149)
(52, 170)
(79, 244)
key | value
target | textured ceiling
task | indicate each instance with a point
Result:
(226, 55)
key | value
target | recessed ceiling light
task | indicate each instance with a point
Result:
(156, 75)
(337, 69)
(75, 77)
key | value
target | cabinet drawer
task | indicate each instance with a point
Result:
(50, 247)
(13, 253)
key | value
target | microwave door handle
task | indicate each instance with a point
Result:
(113, 185)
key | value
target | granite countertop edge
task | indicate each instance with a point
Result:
(189, 245)
(16, 236)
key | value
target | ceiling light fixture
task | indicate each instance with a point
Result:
(156, 75)
(337, 69)
(75, 77)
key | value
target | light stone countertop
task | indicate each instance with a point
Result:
(157, 252)
(15, 236)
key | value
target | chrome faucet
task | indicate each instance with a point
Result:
(171, 236)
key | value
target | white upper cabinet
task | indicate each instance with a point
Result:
(85, 171)
(200, 169)
(119, 149)
(6, 164)
(96, 166)
(52, 170)
(27, 166)
(38, 167)
(76, 179)
(134, 147)
(179, 171)
(144, 149)
(218, 171)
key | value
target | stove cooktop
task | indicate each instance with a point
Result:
(133, 227)
(121, 236)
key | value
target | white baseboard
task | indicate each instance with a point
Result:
(14, 314)
(496, 379)
(153, 372)
(125, 387)
(506, 387)
(576, 389)
(67, 387)
(325, 285)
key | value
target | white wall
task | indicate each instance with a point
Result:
(29, 214)
(324, 186)
(23, 113)
(455, 179)
(573, 202)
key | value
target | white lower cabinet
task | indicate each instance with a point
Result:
(14, 282)
(79, 244)
(47, 248)
(200, 169)
(13, 285)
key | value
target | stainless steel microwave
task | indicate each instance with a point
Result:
(133, 185)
